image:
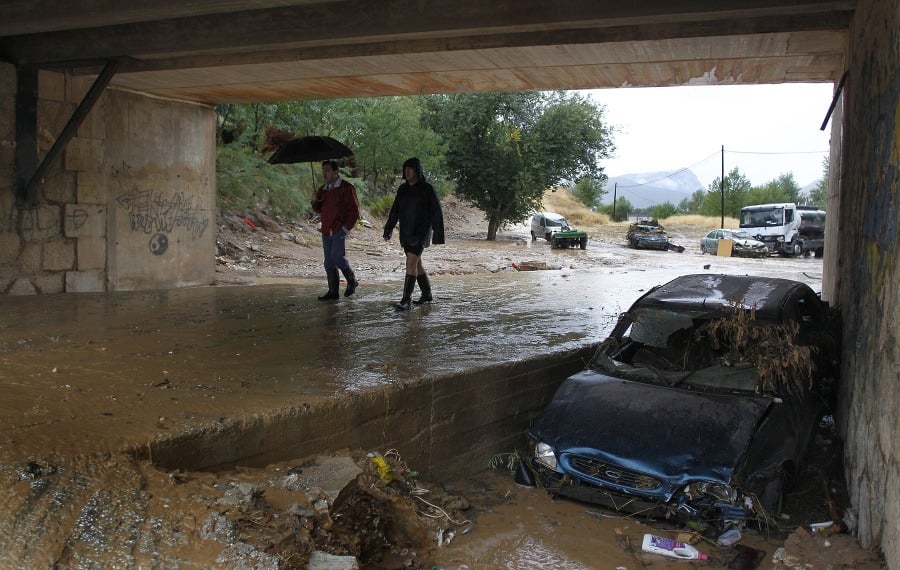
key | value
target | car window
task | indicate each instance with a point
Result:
(653, 327)
(555, 223)
(711, 234)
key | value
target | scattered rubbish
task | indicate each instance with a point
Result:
(534, 266)
(384, 470)
(729, 537)
(821, 527)
(671, 548)
(249, 223)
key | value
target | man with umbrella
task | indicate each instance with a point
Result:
(337, 205)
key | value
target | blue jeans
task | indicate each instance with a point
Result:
(334, 247)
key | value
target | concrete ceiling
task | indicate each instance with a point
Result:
(220, 51)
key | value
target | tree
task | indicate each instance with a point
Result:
(663, 211)
(694, 204)
(505, 149)
(383, 132)
(588, 191)
(818, 196)
(623, 208)
(737, 186)
(782, 189)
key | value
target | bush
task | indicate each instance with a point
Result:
(246, 182)
(382, 206)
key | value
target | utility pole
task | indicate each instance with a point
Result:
(615, 187)
(722, 189)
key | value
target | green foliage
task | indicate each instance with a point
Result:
(245, 182)
(589, 191)
(693, 204)
(782, 189)
(383, 132)
(382, 206)
(623, 208)
(736, 188)
(509, 461)
(663, 211)
(818, 196)
(504, 150)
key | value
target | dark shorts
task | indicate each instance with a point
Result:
(414, 249)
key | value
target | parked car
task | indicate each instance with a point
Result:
(744, 245)
(685, 413)
(556, 230)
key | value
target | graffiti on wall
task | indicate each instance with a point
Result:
(157, 214)
(35, 224)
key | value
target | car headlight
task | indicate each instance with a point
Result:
(544, 455)
(710, 490)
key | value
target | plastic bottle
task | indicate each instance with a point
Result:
(671, 548)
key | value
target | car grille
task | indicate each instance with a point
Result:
(613, 474)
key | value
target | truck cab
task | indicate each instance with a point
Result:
(781, 227)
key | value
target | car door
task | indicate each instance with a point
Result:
(537, 225)
(709, 243)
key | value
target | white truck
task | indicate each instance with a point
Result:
(786, 228)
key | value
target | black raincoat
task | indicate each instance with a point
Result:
(419, 213)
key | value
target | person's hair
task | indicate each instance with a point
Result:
(416, 166)
(332, 164)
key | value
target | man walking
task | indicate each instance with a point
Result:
(338, 208)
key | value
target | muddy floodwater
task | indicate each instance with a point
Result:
(130, 422)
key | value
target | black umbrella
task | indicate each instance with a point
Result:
(310, 149)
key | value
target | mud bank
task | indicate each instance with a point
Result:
(109, 397)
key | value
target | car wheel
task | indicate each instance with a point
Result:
(583, 243)
(554, 243)
(772, 495)
(820, 252)
(533, 237)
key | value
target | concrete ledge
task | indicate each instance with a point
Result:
(448, 426)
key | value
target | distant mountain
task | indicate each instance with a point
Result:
(648, 189)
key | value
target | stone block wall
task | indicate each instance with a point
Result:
(869, 266)
(128, 205)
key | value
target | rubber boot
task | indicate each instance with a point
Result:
(408, 287)
(352, 283)
(425, 288)
(334, 283)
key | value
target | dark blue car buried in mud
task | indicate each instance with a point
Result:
(698, 407)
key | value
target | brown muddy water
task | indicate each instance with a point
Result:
(97, 387)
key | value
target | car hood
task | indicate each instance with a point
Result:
(674, 434)
(748, 243)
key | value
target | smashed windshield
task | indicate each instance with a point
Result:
(671, 348)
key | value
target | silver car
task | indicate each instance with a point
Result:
(744, 245)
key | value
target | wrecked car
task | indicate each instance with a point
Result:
(649, 234)
(698, 407)
(743, 244)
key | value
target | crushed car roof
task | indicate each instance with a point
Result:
(765, 295)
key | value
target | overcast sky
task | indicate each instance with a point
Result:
(767, 130)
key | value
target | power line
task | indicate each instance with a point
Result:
(671, 174)
(758, 152)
